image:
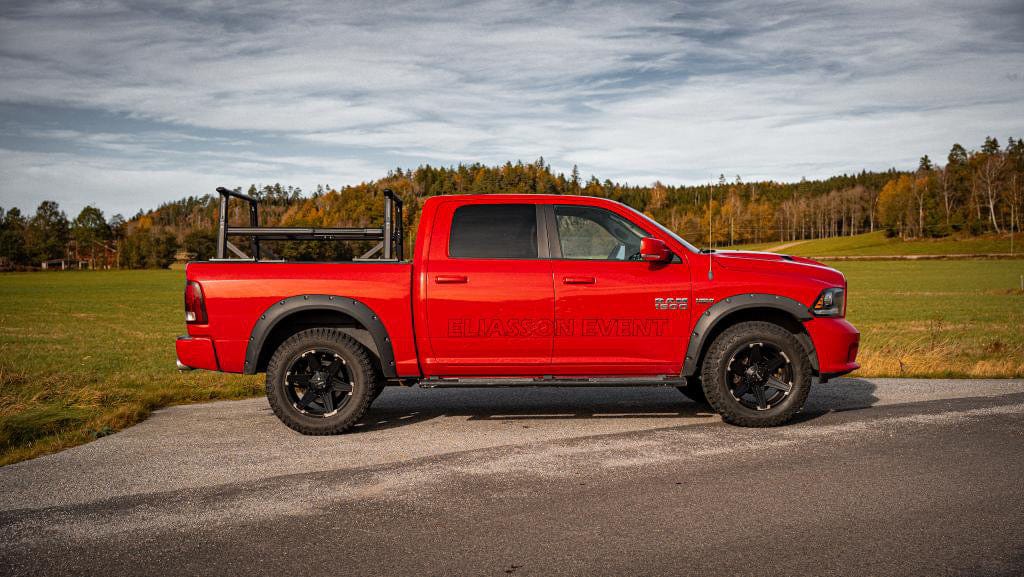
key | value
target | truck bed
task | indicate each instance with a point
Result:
(238, 293)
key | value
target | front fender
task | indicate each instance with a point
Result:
(719, 311)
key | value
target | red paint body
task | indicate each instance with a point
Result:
(504, 317)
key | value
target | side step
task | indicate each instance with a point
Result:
(549, 381)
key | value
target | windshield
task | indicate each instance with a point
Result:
(662, 228)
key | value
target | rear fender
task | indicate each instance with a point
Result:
(345, 305)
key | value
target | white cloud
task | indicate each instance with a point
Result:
(75, 180)
(637, 91)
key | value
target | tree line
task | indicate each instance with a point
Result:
(974, 192)
(978, 191)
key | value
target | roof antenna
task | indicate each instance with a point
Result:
(711, 250)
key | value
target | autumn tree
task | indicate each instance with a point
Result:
(894, 203)
(991, 163)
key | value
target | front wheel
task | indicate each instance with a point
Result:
(756, 374)
(319, 381)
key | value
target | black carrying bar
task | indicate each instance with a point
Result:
(390, 237)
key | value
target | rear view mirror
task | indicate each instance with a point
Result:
(654, 250)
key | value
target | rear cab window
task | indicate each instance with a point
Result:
(496, 231)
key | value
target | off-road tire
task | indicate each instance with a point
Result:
(357, 362)
(717, 391)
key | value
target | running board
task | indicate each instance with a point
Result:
(655, 381)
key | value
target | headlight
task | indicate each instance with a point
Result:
(830, 303)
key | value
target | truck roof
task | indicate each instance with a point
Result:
(536, 198)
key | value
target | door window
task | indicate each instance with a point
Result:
(589, 233)
(494, 231)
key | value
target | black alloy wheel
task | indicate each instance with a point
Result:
(318, 382)
(760, 375)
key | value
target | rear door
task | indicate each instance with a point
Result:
(614, 313)
(489, 294)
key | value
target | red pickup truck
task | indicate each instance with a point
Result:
(515, 290)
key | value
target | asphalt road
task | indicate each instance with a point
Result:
(879, 477)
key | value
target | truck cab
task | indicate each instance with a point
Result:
(518, 290)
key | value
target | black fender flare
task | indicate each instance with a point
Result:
(342, 304)
(718, 311)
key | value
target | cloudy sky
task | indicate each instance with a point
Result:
(127, 104)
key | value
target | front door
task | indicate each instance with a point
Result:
(614, 313)
(489, 295)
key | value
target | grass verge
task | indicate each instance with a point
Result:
(941, 318)
(84, 354)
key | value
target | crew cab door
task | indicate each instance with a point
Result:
(489, 294)
(614, 314)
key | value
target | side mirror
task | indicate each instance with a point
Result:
(654, 250)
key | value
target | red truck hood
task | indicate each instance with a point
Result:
(774, 262)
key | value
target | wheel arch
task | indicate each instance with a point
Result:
(288, 316)
(783, 311)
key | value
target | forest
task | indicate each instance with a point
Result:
(973, 192)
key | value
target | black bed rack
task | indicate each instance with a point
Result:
(389, 237)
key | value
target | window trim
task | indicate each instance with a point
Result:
(555, 241)
(541, 232)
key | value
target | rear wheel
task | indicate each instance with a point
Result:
(319, 381)
(756, 374)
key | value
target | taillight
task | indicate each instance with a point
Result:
(195, 304)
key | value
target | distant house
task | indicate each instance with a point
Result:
(64, 264)
(91, 255)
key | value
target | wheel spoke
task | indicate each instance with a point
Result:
(327, 398)
(335, 368)
(779, 385)
(759, 394)
(775, 364)
(342, 386)
(299, 380)
(755, 353)
(308, 398)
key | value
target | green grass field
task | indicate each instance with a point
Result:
(877, 244)
(83, 354)
(938, 318)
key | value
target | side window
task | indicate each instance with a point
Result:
(590, 233)
(494, 231)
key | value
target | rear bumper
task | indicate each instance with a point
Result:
(837, 342)
(195, 353)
